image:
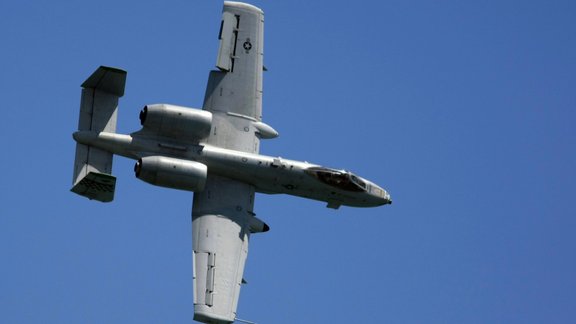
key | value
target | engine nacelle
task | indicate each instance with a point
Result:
(176, 121)
(172, 173)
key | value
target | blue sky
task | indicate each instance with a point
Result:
(463, 110)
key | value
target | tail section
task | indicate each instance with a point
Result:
(98, 112)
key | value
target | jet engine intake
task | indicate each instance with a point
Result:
(172, 173)
(176, 121)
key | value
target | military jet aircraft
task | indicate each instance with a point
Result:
(212, 152)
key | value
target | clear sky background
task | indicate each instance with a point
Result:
(464, 110)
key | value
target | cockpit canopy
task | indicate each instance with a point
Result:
(341, 179)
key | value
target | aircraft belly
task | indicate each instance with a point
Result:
(268, 175)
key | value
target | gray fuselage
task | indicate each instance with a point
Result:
(267, 174)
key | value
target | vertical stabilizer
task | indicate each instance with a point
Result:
(98, 112)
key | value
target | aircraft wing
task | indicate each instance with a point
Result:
(220, 233)
(222, 214)
(234, 92)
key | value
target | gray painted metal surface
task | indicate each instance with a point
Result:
(98, 111)
(221, 213)
(213, 152)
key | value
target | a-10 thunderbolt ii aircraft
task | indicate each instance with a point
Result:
(212, 152)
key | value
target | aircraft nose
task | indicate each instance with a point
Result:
(386, 200)
(381, 195)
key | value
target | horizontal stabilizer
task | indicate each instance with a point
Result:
(97, 186)
(98, 113)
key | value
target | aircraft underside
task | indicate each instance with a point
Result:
(213, 152)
